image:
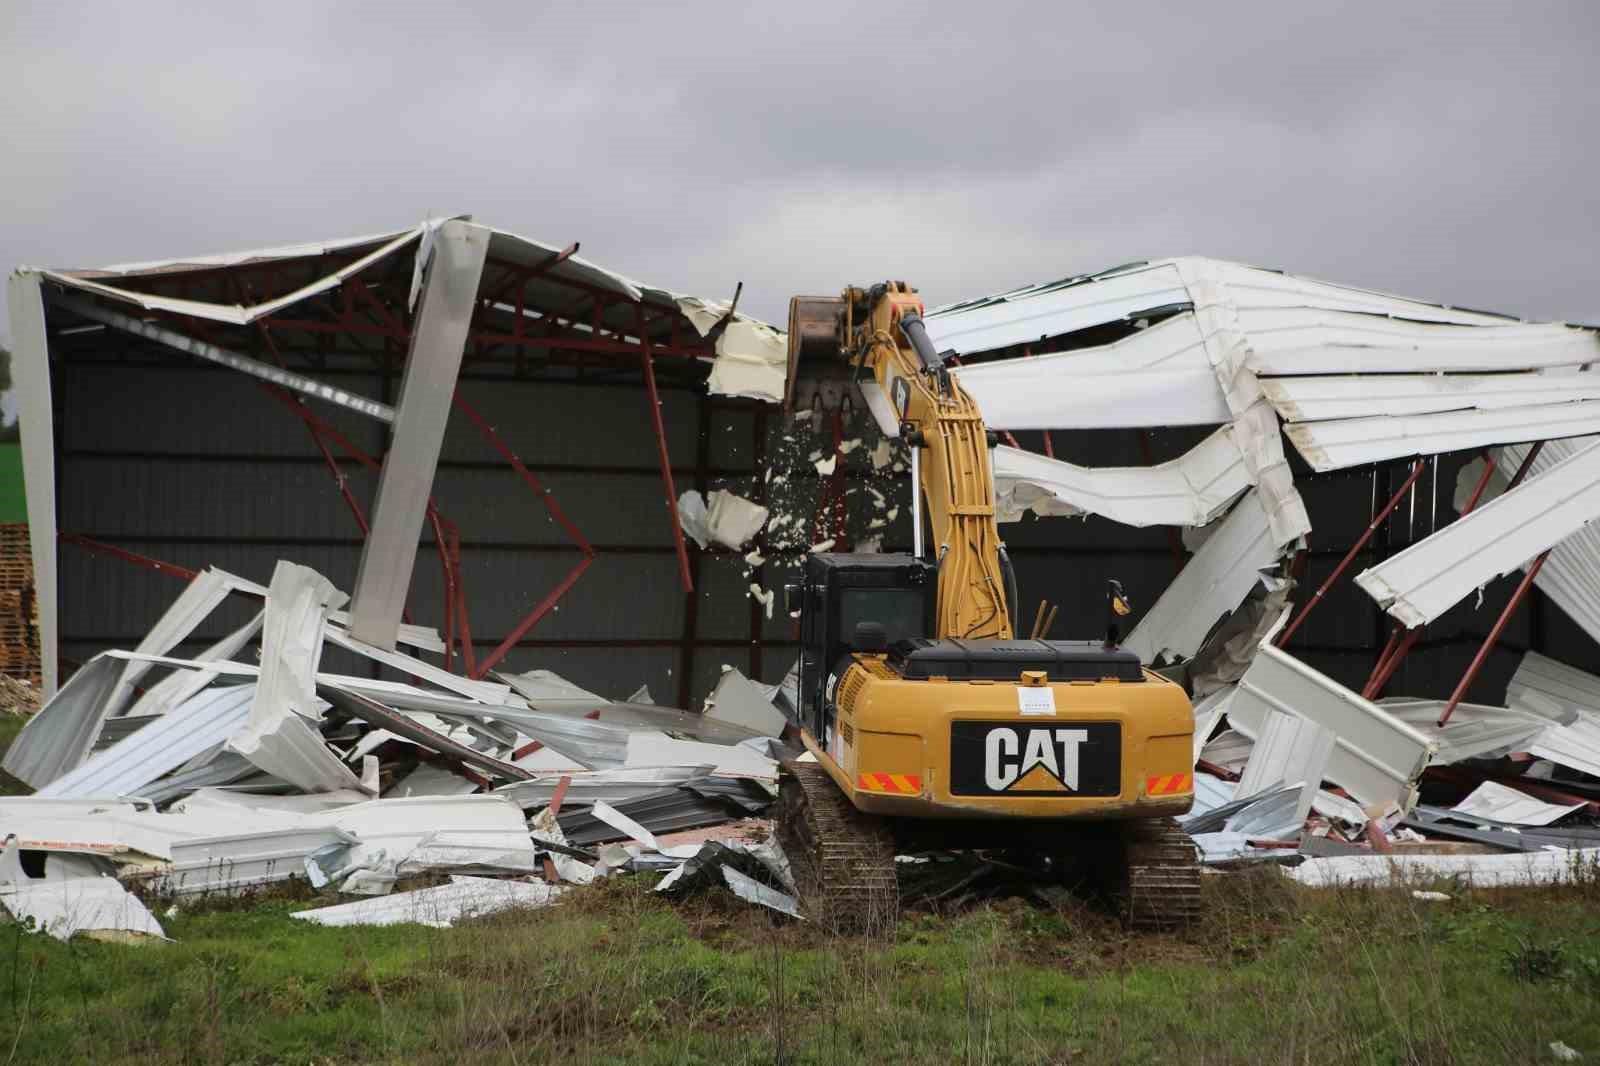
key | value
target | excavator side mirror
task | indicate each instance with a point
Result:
(1117, 608)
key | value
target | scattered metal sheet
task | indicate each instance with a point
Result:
(63, 906)
(1188, 491)
(1231, 849)
(753, 891)
(1158, 376)
(647, 748)
(180, 684)
(1229, 749)
(243, 860)
(1289, 750)
(1482, 871)
(428, 779)
(1443, 822)
(376, 714)
(1211, 584)
(612, 786)
(1208, 710)
(1494, 800)
(1552, 690)
(1377, 758)
(1427, 579)
(1474, 731)
(206, 720)
(663, 811)
(62, 733)
(1575, 746)
(441, 906)
(741, 702)
(482, 691)
(199, 598)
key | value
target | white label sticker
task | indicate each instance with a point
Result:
(1036, 701)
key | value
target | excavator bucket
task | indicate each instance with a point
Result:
(818, 374)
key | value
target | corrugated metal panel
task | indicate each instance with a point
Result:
(1355, 441)
(1576, 746)
(1423, 581)
(1552, 689)
(1313, 399)
(1211, 584)
(1291, 341)
(1289, 751)
(1571, 575)
(1501, 803)
(439, 906)
(1189, 491)
(203, 722)
(1156, 377)
(1050, 310)
(1377, 757)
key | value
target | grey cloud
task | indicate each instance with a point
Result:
(1440, 150)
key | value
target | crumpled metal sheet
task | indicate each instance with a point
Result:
(441, 906)
(204, 721)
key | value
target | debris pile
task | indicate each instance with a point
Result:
(249, 765)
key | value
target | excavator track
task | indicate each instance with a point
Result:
(842, 859)
(1159, 883)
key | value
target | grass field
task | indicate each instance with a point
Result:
(1274, 974)
(13, 506)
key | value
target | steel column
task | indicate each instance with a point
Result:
(438, 342)
(661, 447)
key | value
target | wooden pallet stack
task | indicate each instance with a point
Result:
(19, 629)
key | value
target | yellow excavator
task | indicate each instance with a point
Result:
(927, 723)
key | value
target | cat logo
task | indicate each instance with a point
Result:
(1038, 760)
(1012, 758)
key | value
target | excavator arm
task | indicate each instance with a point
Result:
(913, 393)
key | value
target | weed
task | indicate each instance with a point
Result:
(1534, 962)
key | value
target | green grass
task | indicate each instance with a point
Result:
(615, 974)
(13, 505)
(10, 726)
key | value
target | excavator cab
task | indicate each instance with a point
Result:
(891, 595)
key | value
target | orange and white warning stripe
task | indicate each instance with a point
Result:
(1168, 784)
(905, 784)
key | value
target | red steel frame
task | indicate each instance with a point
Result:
(1398, 647)
(1349, 556)
(394, 328)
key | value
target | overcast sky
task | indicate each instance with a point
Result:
(1445, 151)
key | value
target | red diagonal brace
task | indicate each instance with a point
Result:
(1349, 556)
(661, 446)
(1494, 635)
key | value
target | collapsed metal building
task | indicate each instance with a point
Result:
(516, 460)
(235, 410)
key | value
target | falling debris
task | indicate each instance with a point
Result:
(765, 597)
(826, 466)
(728, 519)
